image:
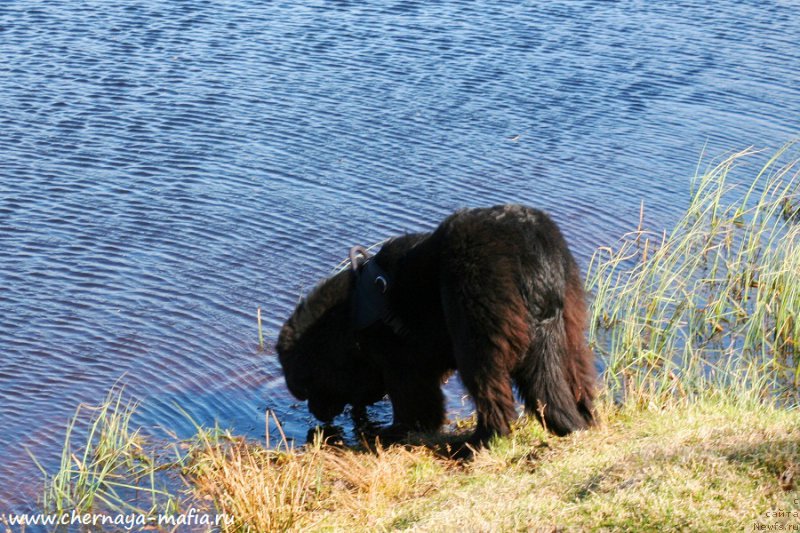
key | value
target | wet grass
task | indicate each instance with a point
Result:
(712, 304)
(109, 467)
(700, 427)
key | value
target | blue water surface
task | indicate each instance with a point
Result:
(168, 167)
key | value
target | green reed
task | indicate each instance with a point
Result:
(109, 470)
(712, 305)
(260, 330)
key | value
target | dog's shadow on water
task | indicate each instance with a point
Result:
(369, 436)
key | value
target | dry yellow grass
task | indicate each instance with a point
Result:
(709, 464)
(269, 490)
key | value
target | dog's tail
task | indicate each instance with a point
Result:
(556, 376)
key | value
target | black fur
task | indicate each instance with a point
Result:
(322, 360)
(493, 293)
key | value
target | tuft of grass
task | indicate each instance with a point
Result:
(267, 489)
(284, 488)
(712, 305)
(110, 470)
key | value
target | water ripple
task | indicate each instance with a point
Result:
(168, 167)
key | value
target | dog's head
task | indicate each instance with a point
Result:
(320, 353)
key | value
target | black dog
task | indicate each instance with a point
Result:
(493, 293)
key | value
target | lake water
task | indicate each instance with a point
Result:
(168, 167)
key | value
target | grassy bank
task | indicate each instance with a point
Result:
(713, 462)
(708, 464)
(698, 330)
